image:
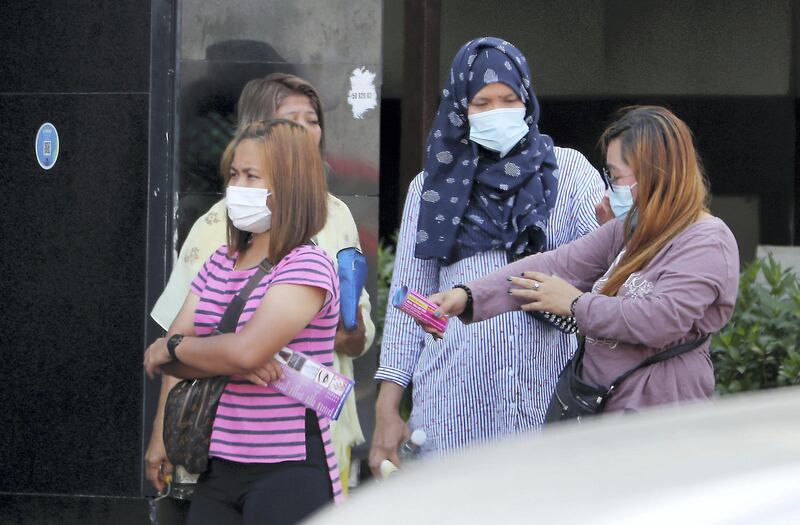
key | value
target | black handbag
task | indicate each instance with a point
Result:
(192, 404)
(574, 399)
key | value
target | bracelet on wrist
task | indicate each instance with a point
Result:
(467, 313)
(573, 304)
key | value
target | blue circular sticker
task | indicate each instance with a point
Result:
(47, 146)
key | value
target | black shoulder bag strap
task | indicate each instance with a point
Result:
(231, 316)
(657, 358)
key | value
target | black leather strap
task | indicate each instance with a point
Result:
(231, 316)
(661, 356)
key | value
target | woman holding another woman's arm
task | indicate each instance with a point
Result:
(664, 273)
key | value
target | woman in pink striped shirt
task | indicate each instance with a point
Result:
(271, 458)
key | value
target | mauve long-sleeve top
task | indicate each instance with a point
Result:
(686, 292)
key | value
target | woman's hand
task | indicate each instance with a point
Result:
(265, 374)
(155, 356)
(449, 304)
(351, 342)
(603, 212)
(158, 466)
(390, 429)
(547, 293)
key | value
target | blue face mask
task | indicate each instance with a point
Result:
(621, 200)
(499, 129)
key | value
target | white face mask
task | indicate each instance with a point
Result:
(499, 129)
(247, 208)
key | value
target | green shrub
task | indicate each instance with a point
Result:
(760, 347)
(385, 267)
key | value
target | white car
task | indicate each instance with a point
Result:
(733, 461)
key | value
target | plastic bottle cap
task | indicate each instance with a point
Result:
(418, 437)
(387, 468)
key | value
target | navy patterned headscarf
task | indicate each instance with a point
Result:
(472, 200)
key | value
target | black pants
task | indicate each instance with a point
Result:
(264, 493)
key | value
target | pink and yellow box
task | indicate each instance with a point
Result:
(315, 385)
(418, 307)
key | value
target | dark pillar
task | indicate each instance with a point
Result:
(795, 91)
(73, 275)
(420, 83)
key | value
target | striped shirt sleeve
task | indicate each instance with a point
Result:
(589, 192)
(403, 339)
(580, 187)
(308, 266)
(200, 280)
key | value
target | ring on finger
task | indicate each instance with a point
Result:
(535, 285)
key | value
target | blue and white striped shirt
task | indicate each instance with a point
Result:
(488, 379)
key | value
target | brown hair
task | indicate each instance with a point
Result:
(672, 190)
(293, 166)
(261, 98)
